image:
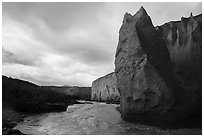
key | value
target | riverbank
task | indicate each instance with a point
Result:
(12, 116)
(10, 119)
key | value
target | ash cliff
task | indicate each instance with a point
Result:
(158, 69)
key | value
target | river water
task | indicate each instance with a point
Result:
(92, 118)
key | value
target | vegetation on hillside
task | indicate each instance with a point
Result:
(26, 96)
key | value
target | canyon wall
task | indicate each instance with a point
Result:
(104, 89)
(158, 69)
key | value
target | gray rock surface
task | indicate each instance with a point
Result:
(184, 42)
(145, 66)
(104, 89)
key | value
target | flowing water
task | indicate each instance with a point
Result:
(91, 118)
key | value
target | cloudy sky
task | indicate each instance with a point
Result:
(71, 43)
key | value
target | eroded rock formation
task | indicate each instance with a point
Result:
(158, 69)
(104, 89)
(184, 42)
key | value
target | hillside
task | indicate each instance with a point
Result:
(26, 96)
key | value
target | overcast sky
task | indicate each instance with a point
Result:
(71, 43)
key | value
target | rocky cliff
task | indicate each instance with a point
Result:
(183, 40)
(104, 89)
(158, 69)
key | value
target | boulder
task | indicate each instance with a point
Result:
(104, 89)
(150, 89)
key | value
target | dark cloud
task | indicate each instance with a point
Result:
(10, 58)
(7, 57)
(93, 56)
(47, 19)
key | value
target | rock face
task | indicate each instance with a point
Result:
(104, 89)
(150, 65)
(184, 42)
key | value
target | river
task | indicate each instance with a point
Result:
(91, 118)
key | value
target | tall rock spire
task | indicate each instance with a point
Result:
(142, 10)
(139, 54)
